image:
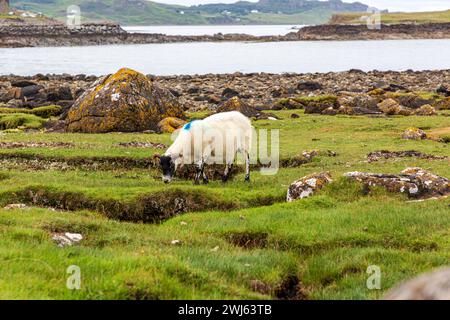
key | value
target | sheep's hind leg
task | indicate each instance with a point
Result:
(247, 167)
(205, 177)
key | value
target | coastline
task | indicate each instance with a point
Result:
(260, 90)
(15, 36)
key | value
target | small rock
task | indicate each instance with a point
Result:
(310, 154)
(414, 134)
(425, 110)
(66, 239)
(16, 206)
(170, 124)
(306, 186)
(236, 104)
(215, 249)
(175, 242)
(295, 116)
(183, 223)
(229, 93)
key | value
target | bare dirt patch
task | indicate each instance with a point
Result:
(137, 144)
(248, 240)
(19, 145)
(150, 208)
(385, 154)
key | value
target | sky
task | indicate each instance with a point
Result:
(392, 5)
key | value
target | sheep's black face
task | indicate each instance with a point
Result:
(168, 168)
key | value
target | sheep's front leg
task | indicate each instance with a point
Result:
(226, 173)
(199, 171)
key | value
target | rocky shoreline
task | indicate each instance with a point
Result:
(13, 36)
(262, 91)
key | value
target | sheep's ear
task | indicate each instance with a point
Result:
(156, 158)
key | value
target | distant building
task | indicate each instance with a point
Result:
(4, 6)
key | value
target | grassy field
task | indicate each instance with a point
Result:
(238, 240)
(392, 18)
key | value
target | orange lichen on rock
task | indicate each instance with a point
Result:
(170, 124)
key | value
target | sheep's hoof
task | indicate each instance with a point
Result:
(205, 181)
(247, 179)
(224, 179)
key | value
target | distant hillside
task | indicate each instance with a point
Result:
(390, 18)
(141, 12)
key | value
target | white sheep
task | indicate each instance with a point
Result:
(215, 139)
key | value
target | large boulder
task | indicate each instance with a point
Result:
(126, 101)
(431, 286)
(307, 186)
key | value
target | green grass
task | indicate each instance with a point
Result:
(393, 18)
(20, 121)
(43, 112)
(150, 13)
(326, 242)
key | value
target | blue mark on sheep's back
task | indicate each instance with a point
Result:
(188, 125)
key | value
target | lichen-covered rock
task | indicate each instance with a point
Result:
(318, 104)
(359, 103)
(414, 134)
(236, 104)
(126, 101)
(287, 103)
(444, 104)
(330, 111)
(170, 124)
(415, 182)
(306, 186)
(392, 107)
(430, 286)
(389, 106)
(411, 100)
(425, 110)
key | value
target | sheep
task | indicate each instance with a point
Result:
(215, 139)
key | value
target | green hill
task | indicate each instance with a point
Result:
(141, 12)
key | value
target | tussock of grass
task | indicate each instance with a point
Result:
(319, 98)
(43, 112)
(20, 121)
